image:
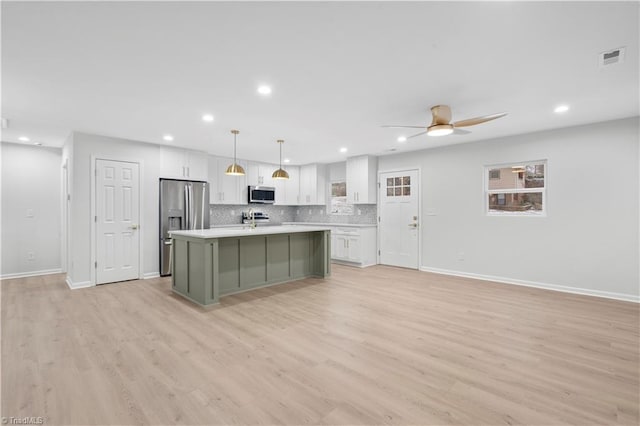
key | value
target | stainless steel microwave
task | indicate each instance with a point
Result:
(262, 194)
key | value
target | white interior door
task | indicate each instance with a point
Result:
(117, 219)
(399, 219)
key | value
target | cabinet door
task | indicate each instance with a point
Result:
(292, 186)
(230, 187)
(266, 170)
(172, 162)
(356, 168)
(353, 248)
(253, 173)
(306, 184)
(197, 165)
(361, 179)
(281, 191)
(340, 251)
(214, 194)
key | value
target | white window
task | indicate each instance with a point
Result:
(516, 189)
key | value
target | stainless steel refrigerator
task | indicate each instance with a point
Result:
(183, 205)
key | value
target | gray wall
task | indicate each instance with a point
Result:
(83, 147)
(587, 241)
(31, 180)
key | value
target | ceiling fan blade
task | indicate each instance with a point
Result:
(478, 120)
(417, 134)
(441, 114)
(405, 127)
(460, 131)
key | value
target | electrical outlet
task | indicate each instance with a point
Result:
(359, 212)
(29, 212)
(461, 255)
(281, 212)
(31, 256)
(233, 212)
(298, 211)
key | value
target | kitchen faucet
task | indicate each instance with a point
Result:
(252, 217)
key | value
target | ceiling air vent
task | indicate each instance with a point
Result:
(611, 57)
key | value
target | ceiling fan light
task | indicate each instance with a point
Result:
(440, 130)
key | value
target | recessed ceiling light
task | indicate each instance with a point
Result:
(402, 139)
(208, 118)
(561, 108)
(167, 138)
(37, 143)
(286, 160)
(264, 90)
(343, 149)
(24, 139)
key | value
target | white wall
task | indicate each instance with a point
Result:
(83, 147)
(31, 181)
(588, 241)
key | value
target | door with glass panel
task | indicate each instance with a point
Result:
(399, 221)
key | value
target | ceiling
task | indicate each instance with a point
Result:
(139, 70)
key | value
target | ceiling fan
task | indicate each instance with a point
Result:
(441, 124)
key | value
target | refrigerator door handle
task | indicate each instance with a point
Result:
(187, 208)
(205, 207)
(192, 213)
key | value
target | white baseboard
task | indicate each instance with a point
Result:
(79, 284)
(546, 286)
(354, 264)
(31, 274)
(149, 275)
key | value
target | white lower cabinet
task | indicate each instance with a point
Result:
(355, 245)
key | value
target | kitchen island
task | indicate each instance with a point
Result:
(210, 263)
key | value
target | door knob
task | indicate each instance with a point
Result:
(133, 227)
(413, 225)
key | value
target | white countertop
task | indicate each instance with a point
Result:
(334, 225)
(246, 231)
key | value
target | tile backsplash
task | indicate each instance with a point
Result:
(232, 214)
(362, 213)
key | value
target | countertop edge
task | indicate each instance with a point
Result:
(333, 225)
(266, 230)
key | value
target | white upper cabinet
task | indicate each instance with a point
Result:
(312, 184)
(259, 174)
(180, 163)
(197, 167)
(362, 179)
(292, 186)
(288, 190)
(223, 188)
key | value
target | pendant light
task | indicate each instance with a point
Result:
(280, 173)
(235, 169)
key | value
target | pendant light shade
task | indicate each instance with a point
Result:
(280, 173)
(235, 169)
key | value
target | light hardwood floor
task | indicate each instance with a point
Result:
(379, 345)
